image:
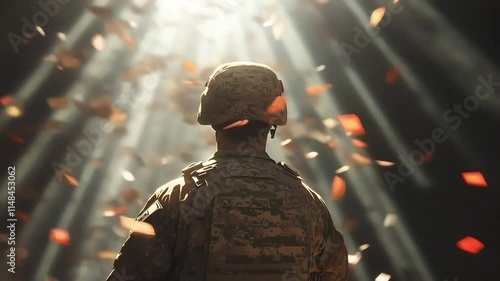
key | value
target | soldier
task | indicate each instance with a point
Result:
(239, 216)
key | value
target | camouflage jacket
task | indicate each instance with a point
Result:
(240, 215)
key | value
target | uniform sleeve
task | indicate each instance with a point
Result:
(146, 258)
(333, 260)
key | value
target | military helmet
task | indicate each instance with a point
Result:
(241, 90)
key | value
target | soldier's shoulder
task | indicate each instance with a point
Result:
(289, 170)
(164, 192)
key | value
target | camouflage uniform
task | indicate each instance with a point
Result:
(239, 216)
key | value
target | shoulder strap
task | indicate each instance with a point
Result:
(196, 175)
(289, 170)
(289, 175)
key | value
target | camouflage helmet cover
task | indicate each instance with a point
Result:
(238, 91)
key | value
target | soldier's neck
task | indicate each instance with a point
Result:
(256, 144)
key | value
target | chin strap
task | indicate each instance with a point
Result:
(273, 131)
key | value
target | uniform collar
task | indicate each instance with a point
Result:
(241, 153)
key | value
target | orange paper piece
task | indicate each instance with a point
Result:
(137, 227)
(57, 102)
(189, 66)
(360, 144)
(319, 89)
(5, 100)
(15, 138)
(107, 255)
(338, 188)
(377, 16)
(352, 124)
(59, 236)
(278, 105)
(474, 179)
(71, 180)
(115, 211)
(470, 245)
(392, 76)
(236, 124)
(360, 159)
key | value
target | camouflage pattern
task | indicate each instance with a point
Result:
(252, 220)
(238, 91)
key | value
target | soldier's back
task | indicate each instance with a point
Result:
(259, 222)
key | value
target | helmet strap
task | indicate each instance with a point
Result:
(273, 130)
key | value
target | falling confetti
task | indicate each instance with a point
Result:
(360, 159)
(15, 138)
(352, 124)
(354, 259)
(128, 176)
(137, 227)
(22, 216)
(59, 236)
(360, 144)
(58, 102)
(277, 106)
(393, 74)
(338, 188)
(342, 170)
(318, 89)
(383, 277)
(189, 66)
(101, 106)
(190, 82)
(470, 244)
(377, 16)
(330, 123)
(118, 116)
(61, 36)
(311, 155)
(390, 220)
(40, 30)
(364, 247)
(384, 163)
(127, 39)
(474, 179)
(236, 124)
(130, 195)
(5, 100)
(114, 211)
(320, 68)
(269, 20)
(107, 255)
(71, 180)
(70, 59)
(13, 111)
(285, 142)
(98, 42)
(120, 28)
